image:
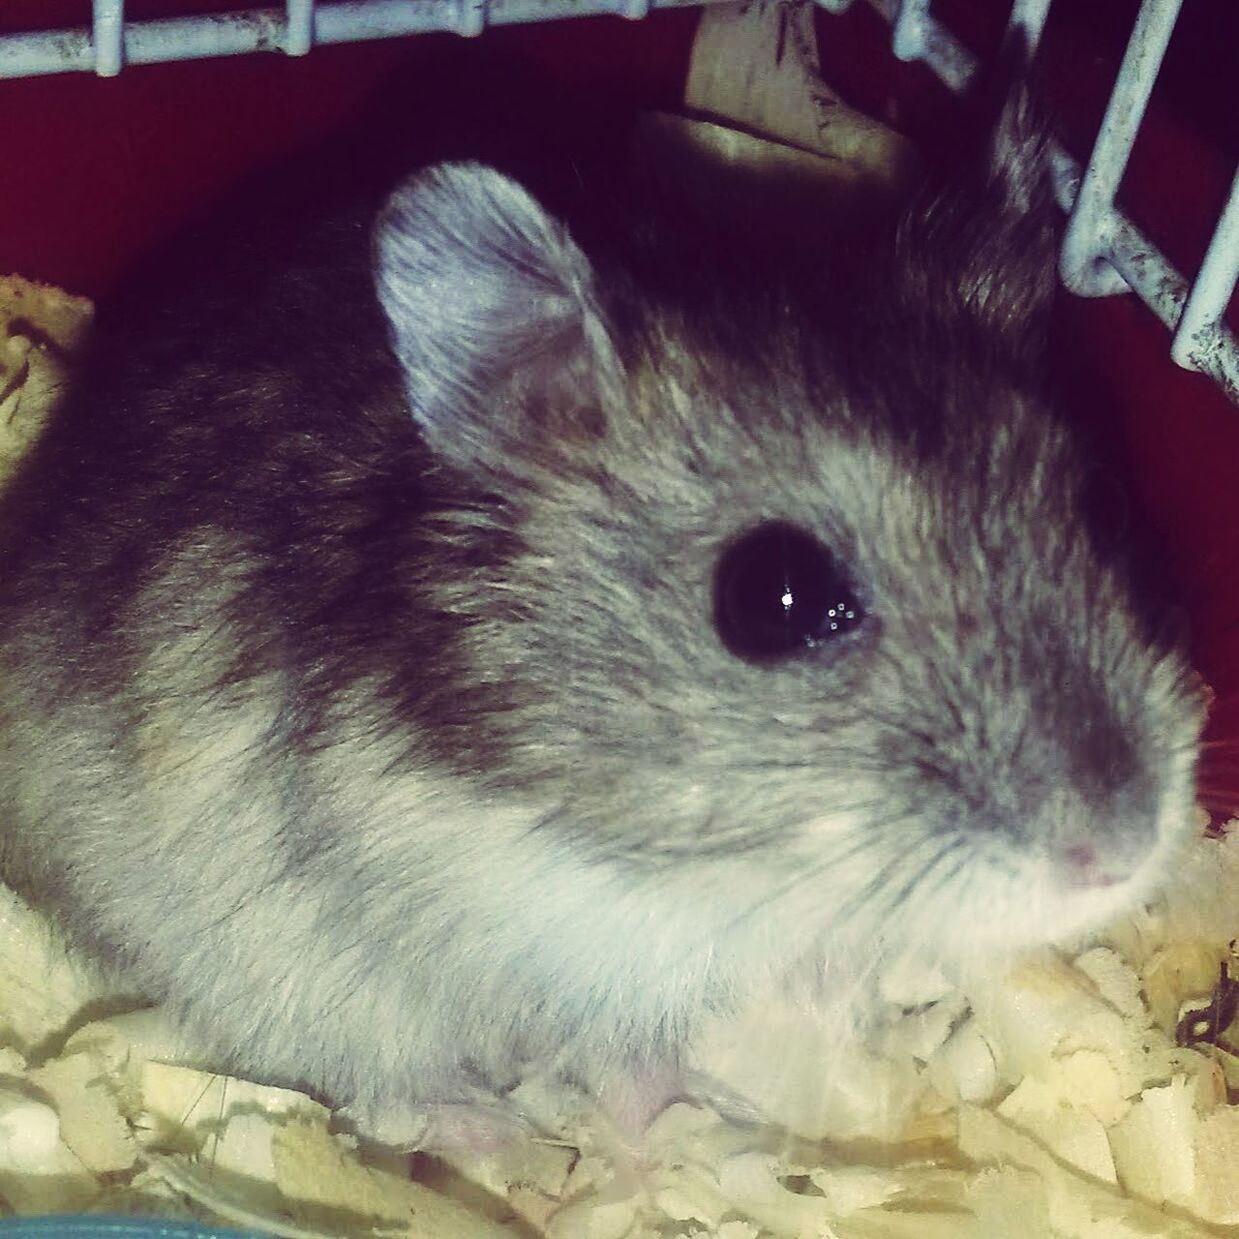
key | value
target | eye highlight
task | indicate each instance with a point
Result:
(777, 592)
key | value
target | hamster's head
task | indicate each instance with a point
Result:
(787, 574)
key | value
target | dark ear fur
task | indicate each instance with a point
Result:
(985, 247)
(490, 308)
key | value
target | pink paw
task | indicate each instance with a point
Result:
(455, 1128)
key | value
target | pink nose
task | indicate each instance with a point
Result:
(1081, 866)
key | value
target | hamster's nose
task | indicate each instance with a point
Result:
(1084, 865)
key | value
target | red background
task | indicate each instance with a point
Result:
(97, 171)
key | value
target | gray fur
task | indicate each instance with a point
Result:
(394, 751)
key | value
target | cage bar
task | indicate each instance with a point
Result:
(908, 38)
(633, 10)
(1102, 253)
(299, 27)
(1030, 16)
(917, 36)
(108, 31)
(162, 40)
(1200, 338)
(1084, 266)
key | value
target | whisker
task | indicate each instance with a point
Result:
(1219, 744)
(197, 1101)
(878, 889)
(219, 1129)
(868, 841)
(1220, 802)
(957, 852)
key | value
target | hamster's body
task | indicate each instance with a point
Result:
(371, 686)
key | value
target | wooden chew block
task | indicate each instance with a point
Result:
(754, 66)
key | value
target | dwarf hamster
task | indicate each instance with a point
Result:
(502, 628)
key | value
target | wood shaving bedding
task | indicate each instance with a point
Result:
(1054, 1101)
(40, 327)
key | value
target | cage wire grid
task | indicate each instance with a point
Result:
(1102, 253)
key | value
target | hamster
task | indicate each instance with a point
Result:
(504, 628)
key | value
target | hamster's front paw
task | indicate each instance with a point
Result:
(447, 1128)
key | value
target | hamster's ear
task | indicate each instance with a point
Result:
(987, 245)
(490, 309)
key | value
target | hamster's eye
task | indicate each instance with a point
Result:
(778, 591)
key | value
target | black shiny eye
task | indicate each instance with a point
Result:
(778, 591)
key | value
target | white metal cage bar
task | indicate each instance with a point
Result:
(1087, 248)
(109, 34)
(1102, 253)
(300, 25)
(916, 36)
(1201, 330)
(1030, 16)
